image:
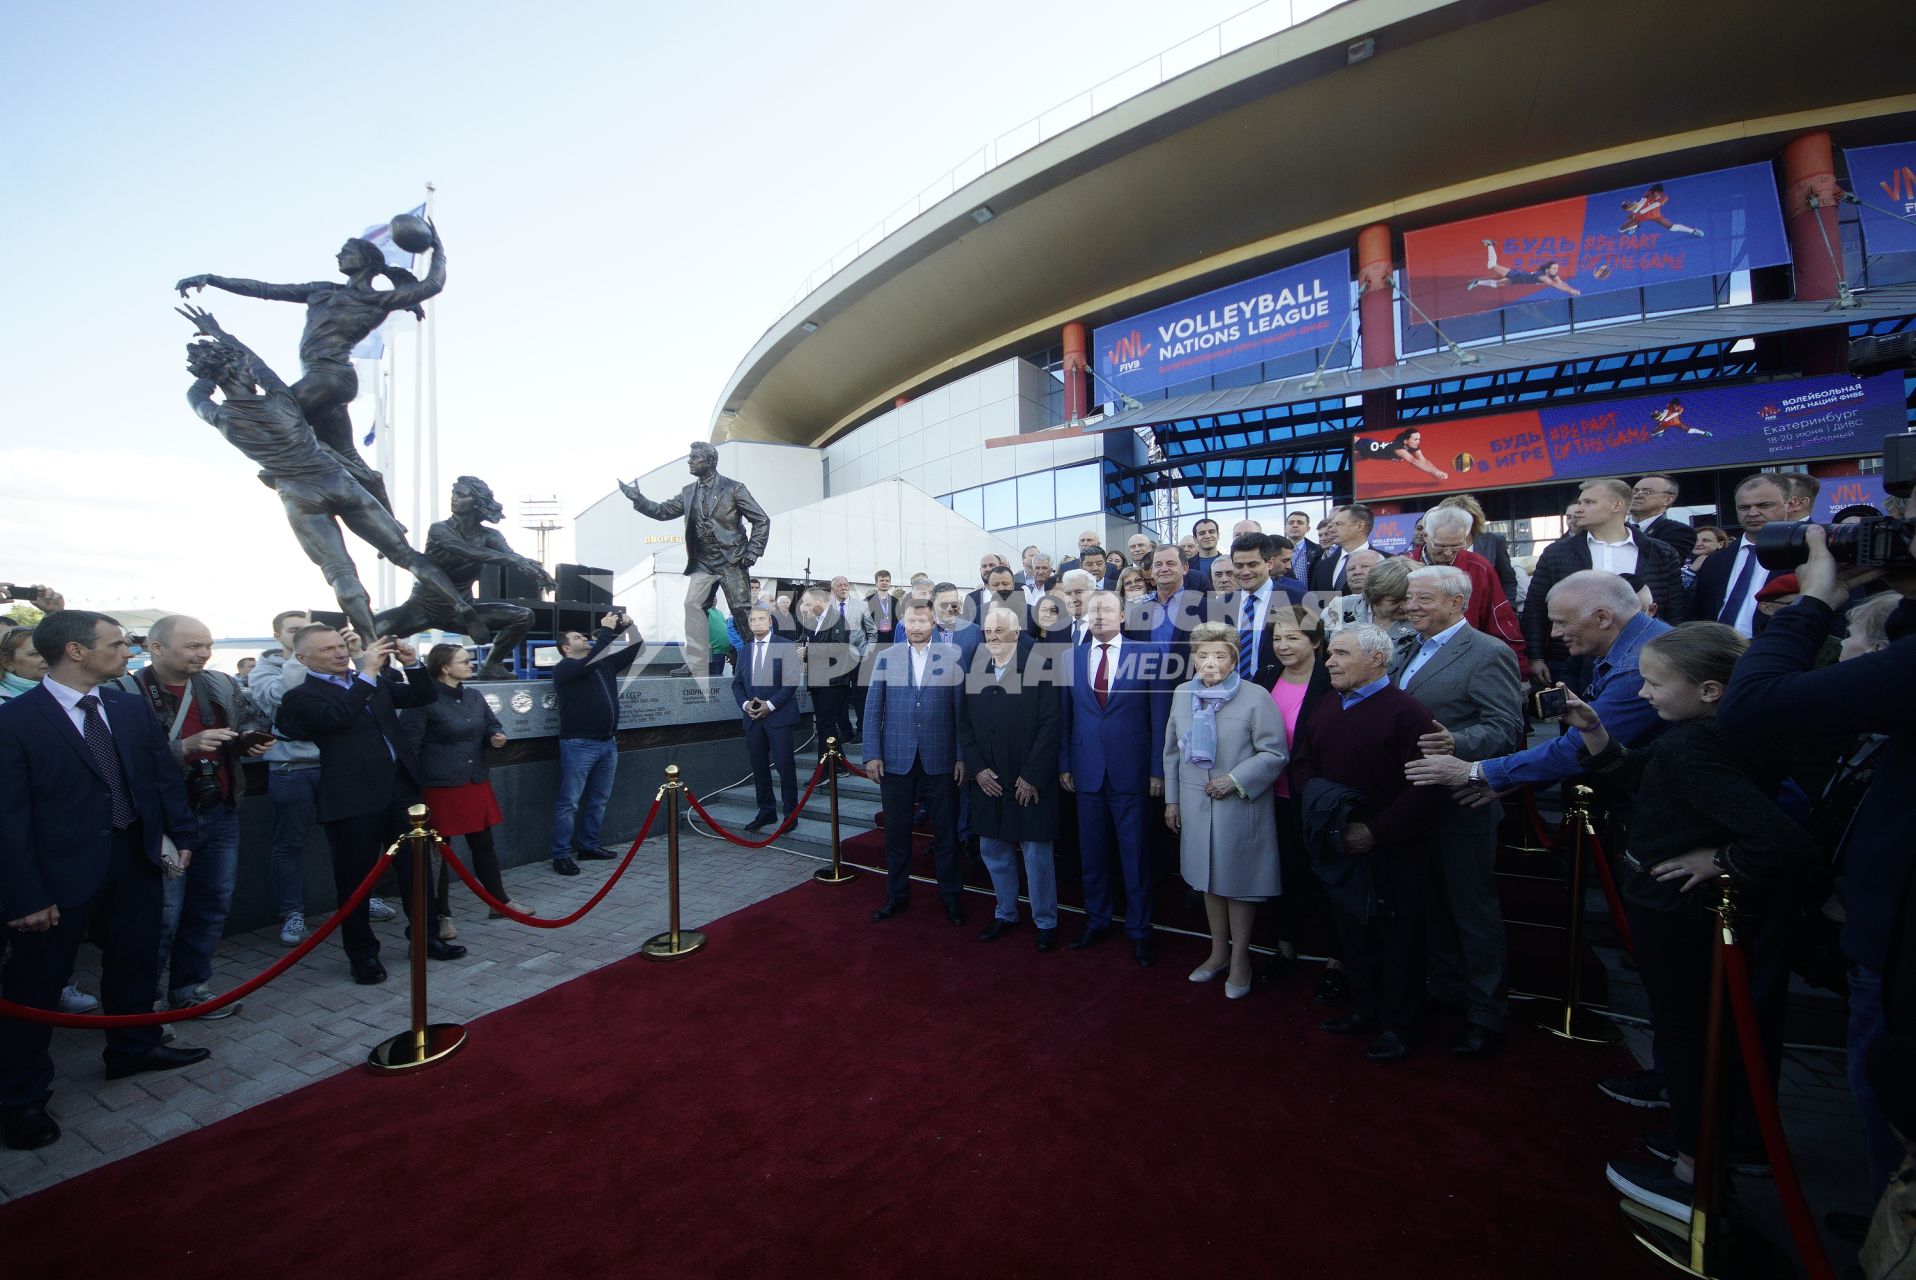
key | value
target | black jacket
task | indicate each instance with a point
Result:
(1713, 583)
(1015, 732)
(450, 735)
(1495, 548)
(1657, 564)
(588, 687)
(1680, 536)
(356, 775)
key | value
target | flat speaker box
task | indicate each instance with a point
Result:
(584, 584)
(505, 582)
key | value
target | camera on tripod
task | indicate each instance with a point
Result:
(1879, 543)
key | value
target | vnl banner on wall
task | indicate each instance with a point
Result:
(1884, 179)
(1295, 309)
(1674, 229)
(1672, 431)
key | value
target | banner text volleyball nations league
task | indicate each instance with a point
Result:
(1681, 428)
(1294, 309)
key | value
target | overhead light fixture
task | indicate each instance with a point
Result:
(1360, 50)
(809, 326)
(982, 214)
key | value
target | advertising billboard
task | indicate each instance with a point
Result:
(1884, 180)
(1678, 429)
(1674, 229)
(1294, 309)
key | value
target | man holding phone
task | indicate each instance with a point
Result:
(586, 682)
(765, 681)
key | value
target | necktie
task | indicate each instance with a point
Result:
(841, 609)
(99, 744)
(758, 664)
(1247, 637)
(1101, 682)
(1733, 602)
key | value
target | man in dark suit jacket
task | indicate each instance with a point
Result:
(765, 682)
(1350, 528)
(1112, 760)
(367, 774)
(90, 790)
(1297, 527)
(911, 751)
(1650, 499)
(1468, 682)
(1249, 607)
(831, 665)
(1727, 582)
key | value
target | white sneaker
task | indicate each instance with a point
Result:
(201, 996)
(74, 1000)
(293, 931)
(378, 910)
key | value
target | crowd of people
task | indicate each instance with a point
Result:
(1298, 723)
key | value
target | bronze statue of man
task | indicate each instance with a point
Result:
(461, 545)
(718, 551)
(338, 318)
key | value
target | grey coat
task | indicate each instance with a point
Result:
(1470, 687)
(1229, 847)
(449, 737)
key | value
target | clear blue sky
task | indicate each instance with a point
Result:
(628, 194)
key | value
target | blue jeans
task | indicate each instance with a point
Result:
(194, 906)
(294, 790)
(586, 766)
(1867, 1025)
(1001, 860)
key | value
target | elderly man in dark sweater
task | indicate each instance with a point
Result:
(1362, 739)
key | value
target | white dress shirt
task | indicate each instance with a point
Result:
(1111, 660)
(1613, 557)
(920, 659)
(69, 700)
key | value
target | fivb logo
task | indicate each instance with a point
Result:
(1126, 355)
(1901, 188)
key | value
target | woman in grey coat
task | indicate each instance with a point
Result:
(1224, 748)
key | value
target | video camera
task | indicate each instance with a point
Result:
(1880, 543)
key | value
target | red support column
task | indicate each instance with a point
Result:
(1077, 378)
(1816, 243)
(1376, 322)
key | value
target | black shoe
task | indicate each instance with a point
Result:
(1143, 952)
(761, 821)
(890, 909)
(1091, 937)
(1355, 1024)
(954, 910)
(29, 1128)
(1477, 1042)
(1639, 1089)
(159, 1058)
(368, 973)
(437, 950)
(594, 855)
(1277, 969)
(1332, 988)
(997, 929)
(565, 866)
(1387, 1047)
(1047, 939)
(1653, 1184)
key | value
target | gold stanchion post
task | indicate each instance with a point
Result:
(426, 1043)
(836, 873)
(1568, 1019)
(674, 942)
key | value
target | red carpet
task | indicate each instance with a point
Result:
(815, 1095)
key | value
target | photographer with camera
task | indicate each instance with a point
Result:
(586, 681)
(1778, 691)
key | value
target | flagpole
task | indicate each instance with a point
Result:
(432, 389)
(383, 440)
(419, 521)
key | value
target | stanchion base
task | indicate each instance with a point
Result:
(662, 948)
(1577, 1024)
(404, 1053)
(833, 875)
(1740, 1251)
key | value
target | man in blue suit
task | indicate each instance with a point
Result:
(765, 680)
(90, 789)
(1727, 583)
(1115, 706)
(911, 751)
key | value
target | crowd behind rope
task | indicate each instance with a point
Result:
(1298, 724)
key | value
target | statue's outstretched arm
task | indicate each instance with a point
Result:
(253, 288)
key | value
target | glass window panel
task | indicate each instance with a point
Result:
(970, 503)
(1078, 490)
(1034, 498)
(1001, 504)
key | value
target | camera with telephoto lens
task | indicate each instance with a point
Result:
(203, 784)
(1879, 543)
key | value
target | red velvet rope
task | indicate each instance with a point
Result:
(854, 768)
(1617, 916)
(1736, 973)
(540, 922)
(105, 1021)
(783, 827)
(1544, 837)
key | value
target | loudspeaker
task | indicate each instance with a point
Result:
(583, 584)
(507, 582)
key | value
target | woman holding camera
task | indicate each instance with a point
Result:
(1704, 808)
(450, 738)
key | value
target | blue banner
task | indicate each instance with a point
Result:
(1290, 310)
(1884, 180)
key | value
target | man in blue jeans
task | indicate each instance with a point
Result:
(587, 684)
(203, 713)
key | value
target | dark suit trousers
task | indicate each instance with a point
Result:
(1102, 817)
(770, 747)
(1384, 956)
(357, 844)
(38, 965)
(902, 793)
(1464, 916)
(828, 714)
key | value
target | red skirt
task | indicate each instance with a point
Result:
(462, 810)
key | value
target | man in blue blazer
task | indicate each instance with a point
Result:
(1115, 705)
(90, 790)
(911, 751)
(1727, 582)
(765, 679)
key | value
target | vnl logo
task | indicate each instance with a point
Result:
(1767, 412)
(1126, 355)
(1901, 187)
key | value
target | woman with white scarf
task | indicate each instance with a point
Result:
(1223, 751)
